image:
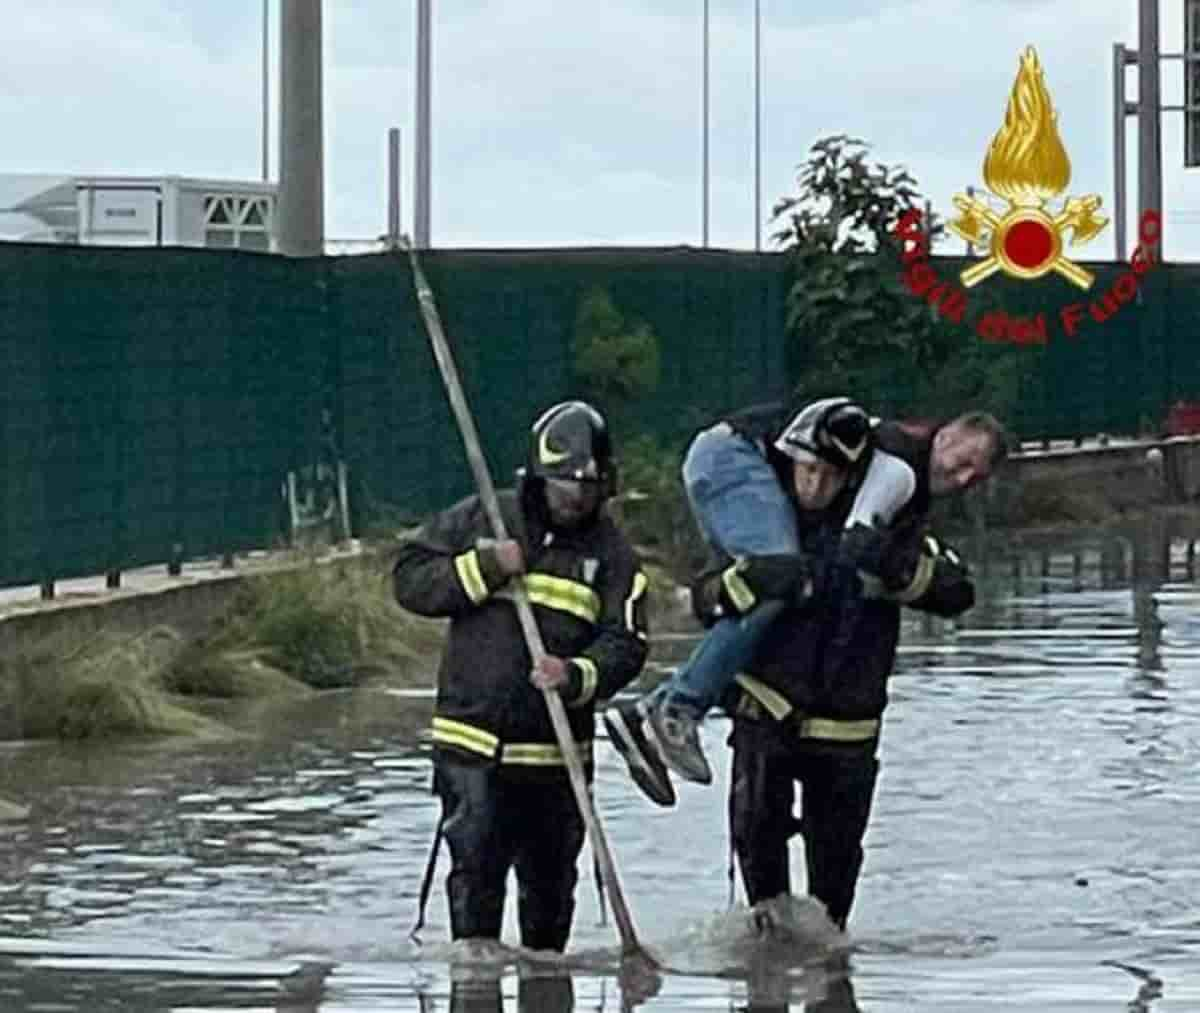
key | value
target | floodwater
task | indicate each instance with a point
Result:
(1034, 845)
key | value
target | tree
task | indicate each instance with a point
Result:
(852, 319)
(616, 360)
(848, 303)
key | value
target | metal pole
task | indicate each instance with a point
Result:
(704, 137)
(1191, 84)
(1120, 199)
(757, 125)
(421, 184)
(266, 90)
(393, 221)
(1149, 132)
(300, 218)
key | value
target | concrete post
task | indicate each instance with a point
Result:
(300, 210)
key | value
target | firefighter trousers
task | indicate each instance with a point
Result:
(837, 782)
(495, 820)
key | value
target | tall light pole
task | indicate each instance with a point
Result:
(1121, 58)
(266, 89)
(421, 194)
(757, 125)
(704, 137)
(1149, 132)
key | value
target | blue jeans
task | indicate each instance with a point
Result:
(741, 510)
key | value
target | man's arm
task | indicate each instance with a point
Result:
(941, 583)
(446, 568)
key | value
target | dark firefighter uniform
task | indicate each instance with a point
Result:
(808, 708)
(506, 798)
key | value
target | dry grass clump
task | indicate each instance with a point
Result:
(106, 685)
(323, 627)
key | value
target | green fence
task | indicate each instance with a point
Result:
(154, 401)
(1116, 376)
(718, 318)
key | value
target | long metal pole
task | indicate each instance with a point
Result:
(1191, 84)
(266, 90)
(1149, 115)
(529, 627)
(704, 136)
(1120, 198)
(422, 182)
(757, 125)
(393, 220)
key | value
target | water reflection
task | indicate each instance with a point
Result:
(830, 989)
(534, 995)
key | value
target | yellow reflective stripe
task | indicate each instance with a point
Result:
(639, 588)
(457, 733)
(738, 590)
(920, 582)
(776, 703)
(464, 742)
(541, 754)
(808, 728)
(563, 595)
(587, 687)
(470, 576)
(449, 732)
(839, 731)
(748, 707)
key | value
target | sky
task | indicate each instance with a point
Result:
(572, 123)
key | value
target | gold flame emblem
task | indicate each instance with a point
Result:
(1026, 165)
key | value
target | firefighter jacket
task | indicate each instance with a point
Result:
(588, 595)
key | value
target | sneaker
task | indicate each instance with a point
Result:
(675, 735)
(626, 732)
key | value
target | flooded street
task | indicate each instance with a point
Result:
(1033, 844)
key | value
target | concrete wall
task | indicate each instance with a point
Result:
(190, 604)
(1116, 476)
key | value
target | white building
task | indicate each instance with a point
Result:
(136, 211)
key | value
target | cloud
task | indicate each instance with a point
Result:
(124, 89)
(563, 123)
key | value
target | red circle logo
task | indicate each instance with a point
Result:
(1028, 244)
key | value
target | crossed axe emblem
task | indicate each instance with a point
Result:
(979, 224)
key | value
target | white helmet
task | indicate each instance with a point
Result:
(835, 429)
